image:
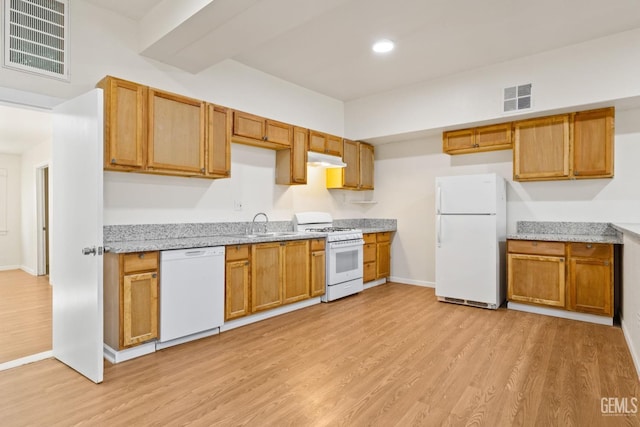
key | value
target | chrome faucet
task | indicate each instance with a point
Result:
(254, 221)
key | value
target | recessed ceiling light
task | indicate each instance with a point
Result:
(383, 46)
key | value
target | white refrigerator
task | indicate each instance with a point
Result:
(471, 230)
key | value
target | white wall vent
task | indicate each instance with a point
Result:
(36, 36)
(517, 98)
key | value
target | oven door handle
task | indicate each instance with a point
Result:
(351, 244)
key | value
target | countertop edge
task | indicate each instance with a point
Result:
(632, 229)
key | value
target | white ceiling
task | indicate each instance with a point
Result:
(326, 45)
(22, 128)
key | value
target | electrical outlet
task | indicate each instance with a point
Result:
(237, 205)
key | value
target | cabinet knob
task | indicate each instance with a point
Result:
(589, 245)
(264, 138)
(517, 176)
(113, 161)
(246, 263)
(202, 170)
(154, 275)
(534, 244)
(576, 173)
(140, 256)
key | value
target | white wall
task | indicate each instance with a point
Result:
(630, 310)
(104, 43)
(405, 180)
(148, 199)
(10, 246)
(32, 159)
(594, 72)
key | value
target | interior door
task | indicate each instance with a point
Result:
(76, 224)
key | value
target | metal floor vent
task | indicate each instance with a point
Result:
(517, 98)
(36, 36)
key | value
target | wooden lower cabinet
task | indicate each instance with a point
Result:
(263, 276)
(536, 279)
(590, 285)
(237, 283)
(376, 256)
(572, 276)
(266, 270)
(317, 268)
(295, 271)
(130, 299)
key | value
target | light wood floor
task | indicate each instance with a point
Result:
(25, 315)
(392, 355)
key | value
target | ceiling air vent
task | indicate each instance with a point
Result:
(35, 35)
(517, 98)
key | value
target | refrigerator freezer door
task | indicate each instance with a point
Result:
(467, 260)
(466, 194)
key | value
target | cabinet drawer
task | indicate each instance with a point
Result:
(369, 272)
(369, 238)
(140, 261)
(384, 237)
(237, 252)
(317, 245)
(369, 253)
(591, 250)
(535, 247)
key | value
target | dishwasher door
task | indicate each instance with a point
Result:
(191, 291)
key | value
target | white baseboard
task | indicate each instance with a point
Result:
(373, 283)
(627, 337)
(28, 270)
(25, 360)
(182, 340)
(247, 320)
(117, 356)
(405, 281)
(572, 315)
(9, 267)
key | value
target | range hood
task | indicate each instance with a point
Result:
(324, 160)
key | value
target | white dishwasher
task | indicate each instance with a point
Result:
(191, 292)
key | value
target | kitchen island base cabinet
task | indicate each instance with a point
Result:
(130, 299)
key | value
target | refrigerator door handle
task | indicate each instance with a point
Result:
(439, 200)
(439, 231)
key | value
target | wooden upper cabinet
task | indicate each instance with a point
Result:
(366, 154)
(358, 174)
(218, 134)
(485, 138)
(125, 125)
(291, 163)
(261, 132)
(176, 133)
(351, 172)
(321, 142)
(593, 143)
(541, 149)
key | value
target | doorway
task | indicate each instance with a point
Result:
(42, 195)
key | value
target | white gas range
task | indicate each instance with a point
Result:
(344, 251)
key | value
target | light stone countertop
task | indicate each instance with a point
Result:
(160, 237)
(584, 232)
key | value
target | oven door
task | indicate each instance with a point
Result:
(344, 261)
